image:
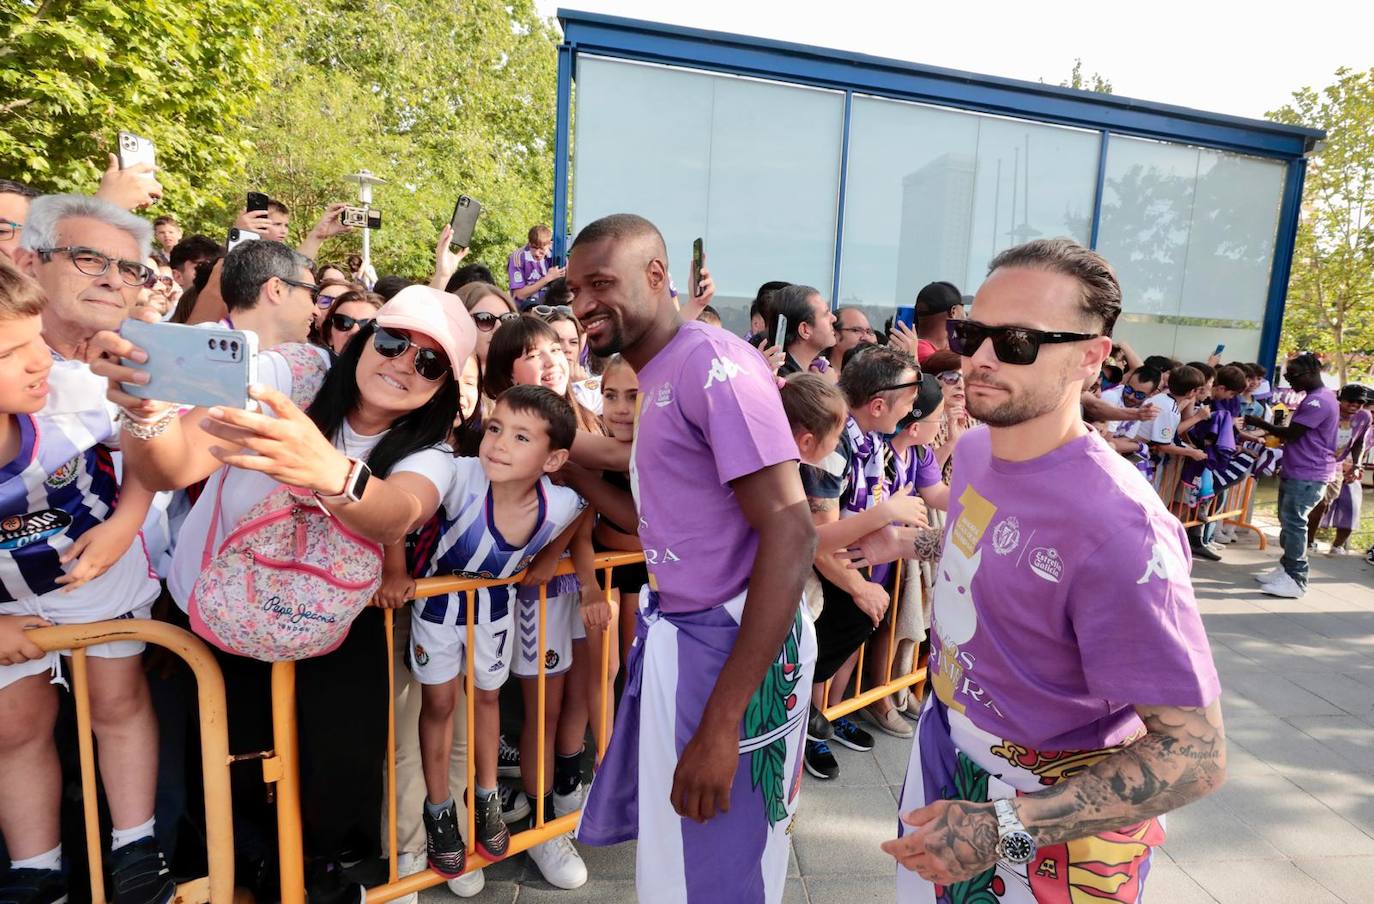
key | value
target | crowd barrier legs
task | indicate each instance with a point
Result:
(283, 768)
(1232, 506)
(218, 885)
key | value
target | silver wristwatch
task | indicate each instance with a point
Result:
(1014, 843)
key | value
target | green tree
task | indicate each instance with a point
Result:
(1331, 291)
(438, 99)
(1094, 82)
(73, 73)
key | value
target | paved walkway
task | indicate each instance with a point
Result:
(1294, 822)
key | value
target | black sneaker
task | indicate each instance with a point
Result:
(140, 875)
(848, 733)
(818, 727)
(515, 805)
(325, 884)
(820, 762)
(444, 843)
(507, 760)
(1369, 556)
(493, 838)
(1204, 552)
(33, 886)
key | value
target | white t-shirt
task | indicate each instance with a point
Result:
(1165, 425)
(1113, 397)
(245, 489)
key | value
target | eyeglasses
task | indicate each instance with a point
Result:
(1137, 394)
(342, 323)
(950, 377)
(9, 229)
(93, 263)
(1012, 344)
(548, 310)
(486, 322)
(861, 330)
(429, 364)
(325, 301)
(907, 385)
(313, 289)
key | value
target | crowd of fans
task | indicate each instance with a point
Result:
(465, 427)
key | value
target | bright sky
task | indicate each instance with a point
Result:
(1222, 56)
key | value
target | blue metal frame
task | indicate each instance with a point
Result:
(560, 152)
(1289, 211)
(1097, 192)
(839, 207)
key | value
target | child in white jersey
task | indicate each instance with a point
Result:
(502, 511)
(68, 555)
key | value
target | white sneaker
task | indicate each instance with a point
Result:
(563, 804)
(408, 865)
(559, 862)
(468, 884)
(1265, 577)
(1285, 587)
(1338, 551)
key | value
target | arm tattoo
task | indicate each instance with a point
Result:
(822, 505)
(965, 834)
(1182, 757)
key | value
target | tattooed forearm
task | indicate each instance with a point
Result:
(1180, 759)
(822, 505)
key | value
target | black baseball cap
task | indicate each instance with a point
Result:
(937, 298)
(929, 395)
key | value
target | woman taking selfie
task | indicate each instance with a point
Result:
(363, 437)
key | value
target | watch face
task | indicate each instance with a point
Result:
(1017, 847)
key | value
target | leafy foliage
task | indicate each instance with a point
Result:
(1331, 291)
(1093, 82)
(73, 74)
(438, 99)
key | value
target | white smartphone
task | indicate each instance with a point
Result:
(135, 149)
(238, 236)
(193, 365)
(780, 333)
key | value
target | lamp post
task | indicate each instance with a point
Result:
(365, 182)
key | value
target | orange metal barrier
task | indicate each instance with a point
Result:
(914, 679)
(218, 885)
(1230, 507)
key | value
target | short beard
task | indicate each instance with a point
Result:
(1018, 409)
(614, 344)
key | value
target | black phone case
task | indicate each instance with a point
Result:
(464, 221)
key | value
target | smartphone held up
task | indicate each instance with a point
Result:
(193, 365)
(361, 217)
(698, 261)
(135, 149)
(463, 223)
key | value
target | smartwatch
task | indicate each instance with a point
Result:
(1014, 843)
(358, 476)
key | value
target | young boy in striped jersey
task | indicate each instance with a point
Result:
(69, 554)
(501, 512)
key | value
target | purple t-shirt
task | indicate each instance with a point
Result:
(522, 269)
(709, 413)
(917, 468)
(1062, 599)
(1313, 455)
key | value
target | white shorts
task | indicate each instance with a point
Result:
(119, 649)
(564, 626)
(437, 652)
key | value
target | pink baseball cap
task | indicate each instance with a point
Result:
(438, 315)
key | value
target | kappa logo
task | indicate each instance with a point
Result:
(421, 657)
(1006, 536)
(723, 370)
(65, 475)
(1046, 563)
(1158, 566)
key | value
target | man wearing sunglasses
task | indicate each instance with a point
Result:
(88, 255)
(1139, 385)
(1307, 466)
(269, 289)
(1049, 633)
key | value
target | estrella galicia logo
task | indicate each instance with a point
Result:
(18, 531)
(65, 475)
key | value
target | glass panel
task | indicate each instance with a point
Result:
(1191, 233)
(750, 166)
(935, 194)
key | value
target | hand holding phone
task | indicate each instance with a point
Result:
(191, 365)
(361, 217)
(256, 201)
(135, 149)
(780, 332)
(464, 220)
(698, 259)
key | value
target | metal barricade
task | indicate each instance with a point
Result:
(218, 885)
(1230, 507)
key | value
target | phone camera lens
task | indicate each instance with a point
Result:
(212, 345)
(234, 345)
(223, 345)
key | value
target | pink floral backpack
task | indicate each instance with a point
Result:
(288, 580)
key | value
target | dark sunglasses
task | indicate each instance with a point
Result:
(342, 323)
(486, 322)
(950, 377)
(313, 289)
(1129, 393)
(1012, 344)
(429, 364)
